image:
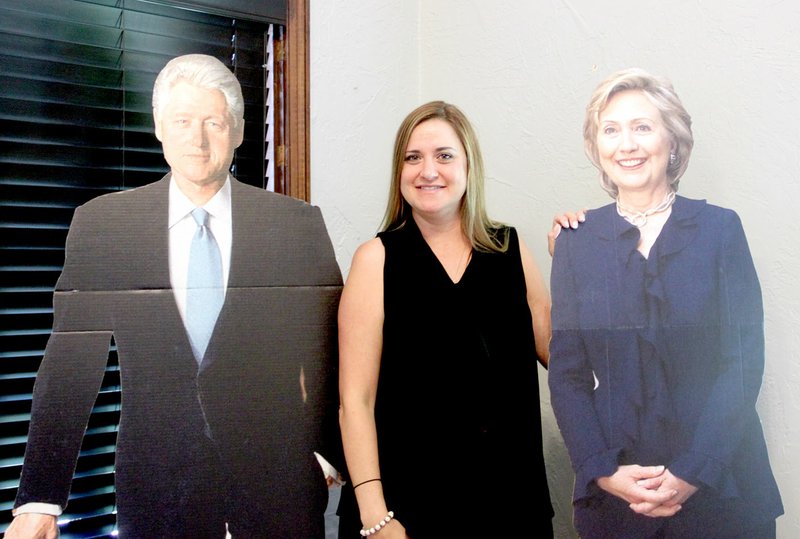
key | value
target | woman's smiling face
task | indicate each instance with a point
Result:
(632, 143)
(434, 176)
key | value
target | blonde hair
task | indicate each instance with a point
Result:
(662, 95)
(482, 232)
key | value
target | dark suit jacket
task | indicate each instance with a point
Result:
(244, 406)
(659, 361)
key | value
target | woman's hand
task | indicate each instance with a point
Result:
(649, 490)
(564, 220)
(668, 483)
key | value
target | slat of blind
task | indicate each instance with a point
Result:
(265, 12)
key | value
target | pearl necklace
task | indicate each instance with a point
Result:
(639, 218)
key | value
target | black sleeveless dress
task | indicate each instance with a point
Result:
(457, 409)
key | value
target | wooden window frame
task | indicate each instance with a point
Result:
(298, 183)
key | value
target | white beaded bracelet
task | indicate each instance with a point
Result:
(377, 527)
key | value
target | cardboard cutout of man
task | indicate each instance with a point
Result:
(212, 436)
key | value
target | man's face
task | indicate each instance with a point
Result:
(198, 137)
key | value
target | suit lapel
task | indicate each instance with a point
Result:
(156, 243)
(156, 249)
(681, 228)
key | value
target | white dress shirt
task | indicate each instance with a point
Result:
(182, 227)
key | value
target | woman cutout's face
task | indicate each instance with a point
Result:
(633, 144)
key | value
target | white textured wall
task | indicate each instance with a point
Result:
(523, 71)
(364, 79)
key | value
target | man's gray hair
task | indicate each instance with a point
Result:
(202, 71)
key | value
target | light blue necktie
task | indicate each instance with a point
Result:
(204, 287)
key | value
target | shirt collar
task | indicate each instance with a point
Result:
(180, 206)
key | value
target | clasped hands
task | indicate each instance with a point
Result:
(652, 491)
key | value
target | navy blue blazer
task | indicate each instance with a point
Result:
(659, 360)
(263, 400)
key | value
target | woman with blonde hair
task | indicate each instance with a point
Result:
(438, 360)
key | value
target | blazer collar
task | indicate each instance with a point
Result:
(606, 224)
(681, 227)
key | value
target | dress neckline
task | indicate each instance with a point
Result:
(432, 254)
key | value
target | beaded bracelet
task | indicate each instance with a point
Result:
(377, 527)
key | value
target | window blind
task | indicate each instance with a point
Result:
(76, 80)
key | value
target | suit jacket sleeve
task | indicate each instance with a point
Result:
(571, 379)
(730, 410)
(69, 376)
(322, 372)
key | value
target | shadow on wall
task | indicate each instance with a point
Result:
(560, 477)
